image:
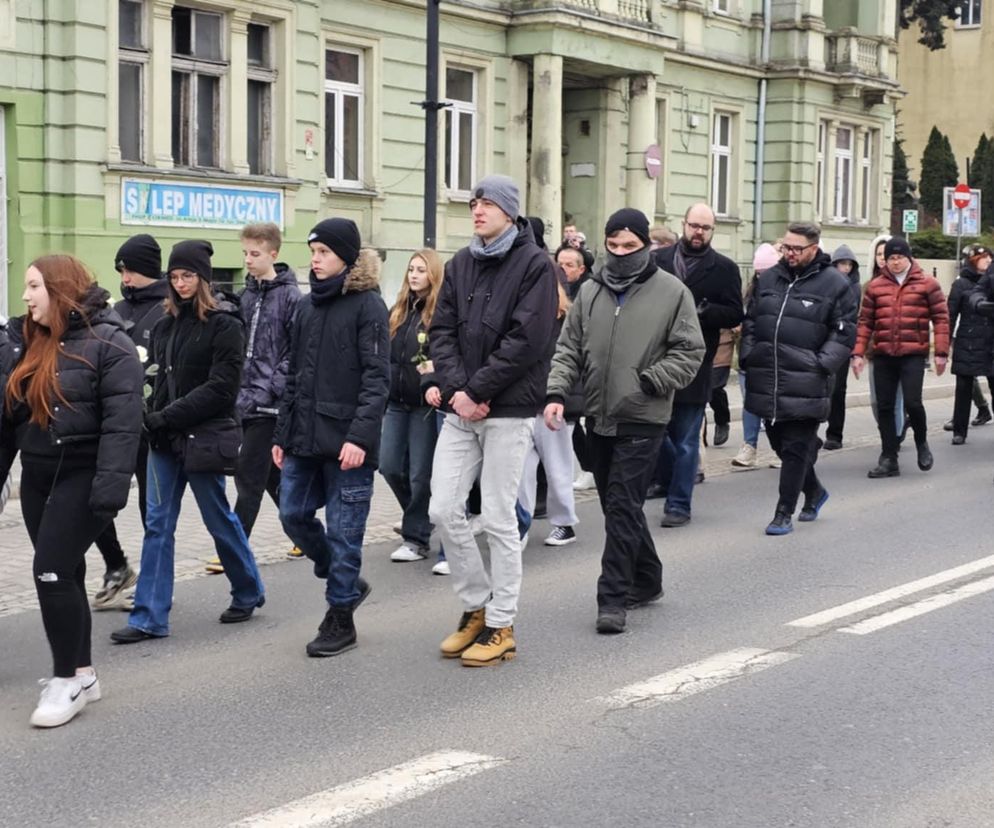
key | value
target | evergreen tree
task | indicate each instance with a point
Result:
(930, 15)
(982, 178)
(939, 169)
(901, 193)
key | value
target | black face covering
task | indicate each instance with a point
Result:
(620, 272)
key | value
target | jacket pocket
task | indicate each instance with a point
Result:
(337, 411)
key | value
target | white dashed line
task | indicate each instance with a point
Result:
(362, 797)
(696, 678)
(894, 593)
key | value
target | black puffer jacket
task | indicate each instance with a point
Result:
(205, 361)
(407, 386)
(717, 288)
(494, 327)
(973, 337)
(267, 309)
(141, 308)
(339, 377)
(100, 378)
(797, 333)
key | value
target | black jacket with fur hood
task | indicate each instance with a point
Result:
(339, 375)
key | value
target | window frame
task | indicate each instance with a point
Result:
(453, 110)
(866, 173)
(718, 152)
(821, 167)
(267, 75)
(721, 6)
(195, 67)
(976, 21)
(841, 158)
(341, 89)
(139, 56)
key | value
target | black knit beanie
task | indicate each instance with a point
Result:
(193, 255)
(141, 254)
(628, 218)
(340, 235)
(897, 245)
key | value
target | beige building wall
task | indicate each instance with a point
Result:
(950, 88)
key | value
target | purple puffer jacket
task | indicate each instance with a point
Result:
(267, 309)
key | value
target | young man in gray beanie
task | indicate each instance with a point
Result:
(491, 337)
(633, 338)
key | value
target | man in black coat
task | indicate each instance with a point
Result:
(716, 284)
(798, 332)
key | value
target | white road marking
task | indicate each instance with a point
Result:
(362, 797)
(853, 607)
(933, 602)
(697, 677)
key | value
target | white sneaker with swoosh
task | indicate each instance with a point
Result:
(61, 699)
(91, 686)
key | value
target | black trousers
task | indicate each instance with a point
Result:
(909, 373)
(256, 472)
(837, 413)
(580, 446)
(967, 390)
(107, 542)
(796, 443)
(55, 502)
(622, 468)
(719, 397)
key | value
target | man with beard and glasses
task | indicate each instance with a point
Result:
(634, 338)
(716, 285)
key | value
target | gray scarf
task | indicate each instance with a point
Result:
(620, 272)
(686, 259)
(497, 249)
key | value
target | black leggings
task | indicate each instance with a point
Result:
(55, 502)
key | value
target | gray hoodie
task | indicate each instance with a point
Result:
(844, 253)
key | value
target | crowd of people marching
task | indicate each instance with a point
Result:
(474, 395)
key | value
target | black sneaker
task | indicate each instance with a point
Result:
(561, 536)
(983, 417)
(635, 600)
(780, 525)
(812, 506)
(924, 457)
(336, 634)
(611, 620)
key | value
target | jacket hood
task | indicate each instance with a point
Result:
(94, 308)
(365, 273)
(872, 260)
(155, 292)
(285, 275)
(844, 253)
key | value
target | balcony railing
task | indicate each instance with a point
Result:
(847, 52)
(637, 11)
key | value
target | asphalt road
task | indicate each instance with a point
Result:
(712, 710)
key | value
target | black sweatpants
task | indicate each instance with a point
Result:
(837, 414)
(55, 502)
(622, 468)
(796, 443)
(256, 472)
(107, 542)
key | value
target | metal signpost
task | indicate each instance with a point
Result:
(961, 200)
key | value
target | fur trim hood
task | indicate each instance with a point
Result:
(365, 273)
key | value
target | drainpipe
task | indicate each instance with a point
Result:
(764, 57)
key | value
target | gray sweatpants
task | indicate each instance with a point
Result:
(554, 449)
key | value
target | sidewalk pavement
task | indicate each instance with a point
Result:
(194, 545)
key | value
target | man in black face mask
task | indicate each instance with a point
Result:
(633, 336)
(716, 284)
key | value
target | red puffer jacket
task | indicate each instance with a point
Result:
(898, 316)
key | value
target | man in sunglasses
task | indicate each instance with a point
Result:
(716, 285)
(797, 333)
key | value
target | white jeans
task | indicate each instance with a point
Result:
(493, 450)
(555, 451)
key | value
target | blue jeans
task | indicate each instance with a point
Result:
(750, 422)
(307, 484)
(166, 483)
(407, 448)
(679, 456)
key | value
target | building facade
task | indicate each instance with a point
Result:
(187, 118)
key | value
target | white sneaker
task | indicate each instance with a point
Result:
(441, 568)
(561, 536)
(407, 552)
(584, 480)
(91, 686)
(775, 463)
(61, 699)
(476, 525)
(746, 458)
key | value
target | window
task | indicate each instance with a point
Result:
(866, 175)
(820, 168)
(343, 116)
(261, 79)
(132, 60)
(198, 67)
(721, 163)
(843, 174)
(460, 128)
(969, 13)
(721, 6)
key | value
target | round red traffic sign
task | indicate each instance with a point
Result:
(961, 196)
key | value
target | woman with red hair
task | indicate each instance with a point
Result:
(72, 407)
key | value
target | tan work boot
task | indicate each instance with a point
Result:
(470, 626)
(492, 646)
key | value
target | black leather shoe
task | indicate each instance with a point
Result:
(886, 467)
(721, 434)
(924, 457)
(130, 635)
(635, 600)
(611, 620)
(673, 519)
(235, 615)
(958, 439)
(831, 444)
(654, 492)
(947, 425)
(983, 417)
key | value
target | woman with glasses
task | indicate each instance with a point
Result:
(197, 352)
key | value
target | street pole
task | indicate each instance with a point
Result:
(959, 236)
(431, 106)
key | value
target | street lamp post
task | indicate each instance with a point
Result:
(431, 106)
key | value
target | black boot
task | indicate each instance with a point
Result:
(924, 457)
(335, 635)
(983, 417)
(886, 467)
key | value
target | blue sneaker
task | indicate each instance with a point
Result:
(813, 507)
(780, 525)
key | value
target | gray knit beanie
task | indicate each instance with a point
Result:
(502, 191)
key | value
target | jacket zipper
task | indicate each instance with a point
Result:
(610, 356)
(776, 345)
